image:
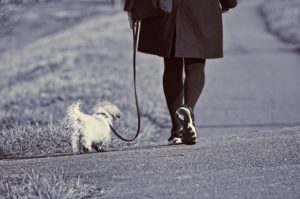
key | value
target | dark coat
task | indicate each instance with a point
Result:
(194, 28)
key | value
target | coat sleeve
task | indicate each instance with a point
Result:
(228, 4)
(129, 5)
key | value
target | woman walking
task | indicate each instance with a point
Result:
(185, 38)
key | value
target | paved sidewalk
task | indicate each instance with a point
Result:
(255, 165)
(255, 86)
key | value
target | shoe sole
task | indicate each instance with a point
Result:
(189, 135)
(175, 141)
(174, 138)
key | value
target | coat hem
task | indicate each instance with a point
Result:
(181, 56)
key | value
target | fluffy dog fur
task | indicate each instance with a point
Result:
(91, 131)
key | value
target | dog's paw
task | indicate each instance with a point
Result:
(98, 148)
(75, 151)
(85, 150)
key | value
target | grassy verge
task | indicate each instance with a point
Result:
(89, 62)
(34, 185)
(283, 18)
(32, 140)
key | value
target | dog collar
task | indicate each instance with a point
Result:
(104, 115)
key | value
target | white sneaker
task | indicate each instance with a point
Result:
(175, 137)
(185, 117)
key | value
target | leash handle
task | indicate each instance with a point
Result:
(135, 30)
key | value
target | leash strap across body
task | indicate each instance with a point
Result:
(135, 30)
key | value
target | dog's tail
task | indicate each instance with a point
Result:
(74, 114)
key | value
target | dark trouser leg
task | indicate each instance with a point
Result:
(194, 80)
(173, 86)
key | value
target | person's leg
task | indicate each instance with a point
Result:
(194, 80)
(193, 86)
(173, 86)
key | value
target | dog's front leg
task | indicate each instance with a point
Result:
(87, 144)
(75, 143)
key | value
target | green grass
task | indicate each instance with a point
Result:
(88, 62)
(47, 185)
(33, 140)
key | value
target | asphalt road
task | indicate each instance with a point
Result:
(253, 165)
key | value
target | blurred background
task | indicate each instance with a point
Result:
(55, 52)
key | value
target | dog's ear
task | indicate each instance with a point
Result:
(113, 111)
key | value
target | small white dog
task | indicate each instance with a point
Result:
(91, 131)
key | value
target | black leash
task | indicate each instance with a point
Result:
(135, 30)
